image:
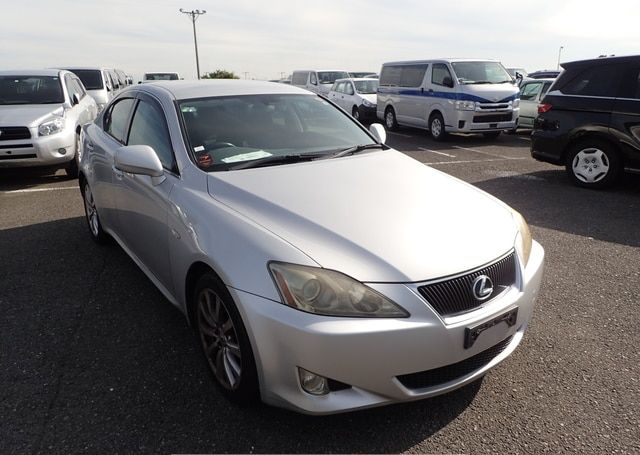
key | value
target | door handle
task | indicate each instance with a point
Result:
(117, 172)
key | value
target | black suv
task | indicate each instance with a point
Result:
(589, 121)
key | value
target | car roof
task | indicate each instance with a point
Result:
(602, 61)
(356, 79)
(84, 68)
(182, 90)
(441, 60)
(540, 79)
(40, 72)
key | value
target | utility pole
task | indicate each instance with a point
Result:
(193, 15)
(559, 53)
(246, 74)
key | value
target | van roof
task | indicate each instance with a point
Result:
(323, 71)
(440, 60)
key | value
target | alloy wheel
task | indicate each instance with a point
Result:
(436, 127)
(91, 212)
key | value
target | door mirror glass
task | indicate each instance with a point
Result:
(378, 132)
(138, 159)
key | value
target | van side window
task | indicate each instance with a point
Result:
(390, 76)
(439, 72)
(313, 79)
(412, 75)
(631, 84)
(595, 81)
(299, 78)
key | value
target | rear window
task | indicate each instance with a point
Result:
(91, 79)
(595, 81)
(299, 78)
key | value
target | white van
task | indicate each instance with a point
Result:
(448, 95)
(318, 81)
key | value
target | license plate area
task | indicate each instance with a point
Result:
(472, 333)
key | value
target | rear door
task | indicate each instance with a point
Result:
(625, 119)
(412, 96)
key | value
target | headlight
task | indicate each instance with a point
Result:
(51, 127)
(465, 105)
(368, 103)
(330, 293)
(523, 239)
(516, 103)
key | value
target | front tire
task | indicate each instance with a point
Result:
(390, 120)
(436, 127)
(91, 214)
(593, 163)
(355, 112)
(224, 341)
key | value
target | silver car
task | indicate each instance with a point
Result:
(320, 269)
(41, 116)
(97, 83)
(531, 93)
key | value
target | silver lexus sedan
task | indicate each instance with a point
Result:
(321, 270)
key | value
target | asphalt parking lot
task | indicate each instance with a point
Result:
(93, 358)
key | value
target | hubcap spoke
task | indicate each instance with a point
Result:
(590, 165)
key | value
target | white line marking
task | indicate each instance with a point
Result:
(437, 152)
(398, 134)
(483, 152)
(524, 138)
(473, 161)
(38, 190)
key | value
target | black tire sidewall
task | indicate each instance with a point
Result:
(395, 119)
(442, 134)
(615, 165)
(355, 113)
(248, 390)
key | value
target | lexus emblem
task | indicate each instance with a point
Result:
(482, 288)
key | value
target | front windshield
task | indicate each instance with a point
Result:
(30, 90)
(480, 73)
(161, 77)
(329, 77)
(366, 87)
(91, 79)
(225, 131)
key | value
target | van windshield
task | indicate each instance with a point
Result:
(480, 73)
(30, 90)
(161, 77)
(329, 77)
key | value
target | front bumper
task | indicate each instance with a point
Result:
(39, 150)
(367, 113)
(483, 121)
(370, 354)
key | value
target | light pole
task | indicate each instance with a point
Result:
(193, 15)
(559, 53)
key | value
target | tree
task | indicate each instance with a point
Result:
(220, 74)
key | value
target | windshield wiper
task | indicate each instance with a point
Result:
(276, 159)
(357, 149)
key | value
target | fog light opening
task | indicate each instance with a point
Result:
(62, 151)
(313, 383)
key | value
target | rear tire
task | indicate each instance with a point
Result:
(390, 120)
(436, 127)
(223, 340)
(593, 163)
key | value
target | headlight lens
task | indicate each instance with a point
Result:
(51, 127)
(330, 293)
(516, 103)
(465, 105)
(523, 239)
(368, 103)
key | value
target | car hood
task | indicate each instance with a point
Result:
(371, 97)
(28, 114)
(378, 217)
(489, 93)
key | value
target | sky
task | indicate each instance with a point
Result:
(265, 39)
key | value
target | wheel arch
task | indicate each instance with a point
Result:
(196, 270)
(584, 136)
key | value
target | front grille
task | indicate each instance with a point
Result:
(442, 375)
(14, 133)
(456, 295)
(495, 118)
(18, 157)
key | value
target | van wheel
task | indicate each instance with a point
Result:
(390, 120)
(593, 163)
(355, 112)
(436, 127)
(491, 134)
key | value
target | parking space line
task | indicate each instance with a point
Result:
(483, 152)
(399, 134)
(437, 152)
(524, 138)
(38, 190)
(473, 161)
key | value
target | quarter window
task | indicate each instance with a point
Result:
(149, 127)
(439, 72)
(595, 81)
(115, 122)
(631, 84)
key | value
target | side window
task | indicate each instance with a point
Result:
(530, 91)
(312, 78)
(412, 75)
(390, 76)
(439, 72)
(631, 84)
(149, 127)
(340, 87)
(348, 88)
(115, 121)
(595, 81)
(299, 78)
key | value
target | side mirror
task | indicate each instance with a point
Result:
(138, 159)
(75, 99)
(378, 132)
(447, 81)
